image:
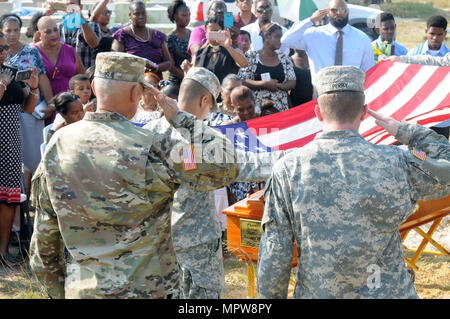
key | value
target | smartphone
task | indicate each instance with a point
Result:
(60, 6)
(23, 75)
(228, 19)
(216, 36)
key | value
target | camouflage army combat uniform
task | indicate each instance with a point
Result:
(104, 189)
(342, 199)
(196, 229)
(197, 232)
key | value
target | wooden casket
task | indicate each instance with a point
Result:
(244, 228)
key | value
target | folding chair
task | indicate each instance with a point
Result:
(427, 212)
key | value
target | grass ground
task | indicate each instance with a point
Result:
(433, 276)
(432, 279)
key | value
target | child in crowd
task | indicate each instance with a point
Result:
(81, 85)
(434, 45)
(244, 40)
(244, 104)
(90, 74)
(69, 106)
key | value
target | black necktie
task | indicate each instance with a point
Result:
(339, 45)
(392, 49)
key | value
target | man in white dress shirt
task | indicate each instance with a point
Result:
(264, 11)
(336, 43)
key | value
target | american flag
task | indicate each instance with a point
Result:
(410, 92)
(188, 157)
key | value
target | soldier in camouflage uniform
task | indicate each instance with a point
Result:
(342, 200)
(104, 189)
(196, 228)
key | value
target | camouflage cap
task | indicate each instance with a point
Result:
(340, 78)
(120, 66)
(208, 80)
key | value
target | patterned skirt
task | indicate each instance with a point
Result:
(10, 154)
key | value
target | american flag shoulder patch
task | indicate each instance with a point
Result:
(188, 158)
(419, 154)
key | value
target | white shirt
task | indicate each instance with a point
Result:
(320, 45)
(256, 38)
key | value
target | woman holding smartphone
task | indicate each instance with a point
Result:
(14, 98)
(22, 56)
(218, 54)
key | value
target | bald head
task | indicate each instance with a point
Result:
(336, 4)
(45, 23)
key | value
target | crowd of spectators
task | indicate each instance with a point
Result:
(264, 68)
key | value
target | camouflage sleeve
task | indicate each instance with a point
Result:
(277, 240)
(46, 248)
(427, 161)
(256, 167)
(201, 158)
(426, 59)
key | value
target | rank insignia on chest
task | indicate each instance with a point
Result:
(188, 158)
(419, 154)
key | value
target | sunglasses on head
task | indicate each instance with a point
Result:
(339, 10)
(4, 48)
(262, 9)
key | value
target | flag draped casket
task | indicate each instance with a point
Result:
(407, 92)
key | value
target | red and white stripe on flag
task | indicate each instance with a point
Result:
(188, 158)
(410, 92)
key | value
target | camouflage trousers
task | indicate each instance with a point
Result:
(202, 274)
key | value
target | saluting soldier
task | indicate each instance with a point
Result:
(104, 189)
(342, 200)
(196, 227)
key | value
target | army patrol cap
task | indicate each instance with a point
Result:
(340, 78)
(208, 80)
(120, 66)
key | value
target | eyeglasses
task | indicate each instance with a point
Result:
(262, 9)
(4, 48)
(106, 12)
(341, 10)
(245, 0)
